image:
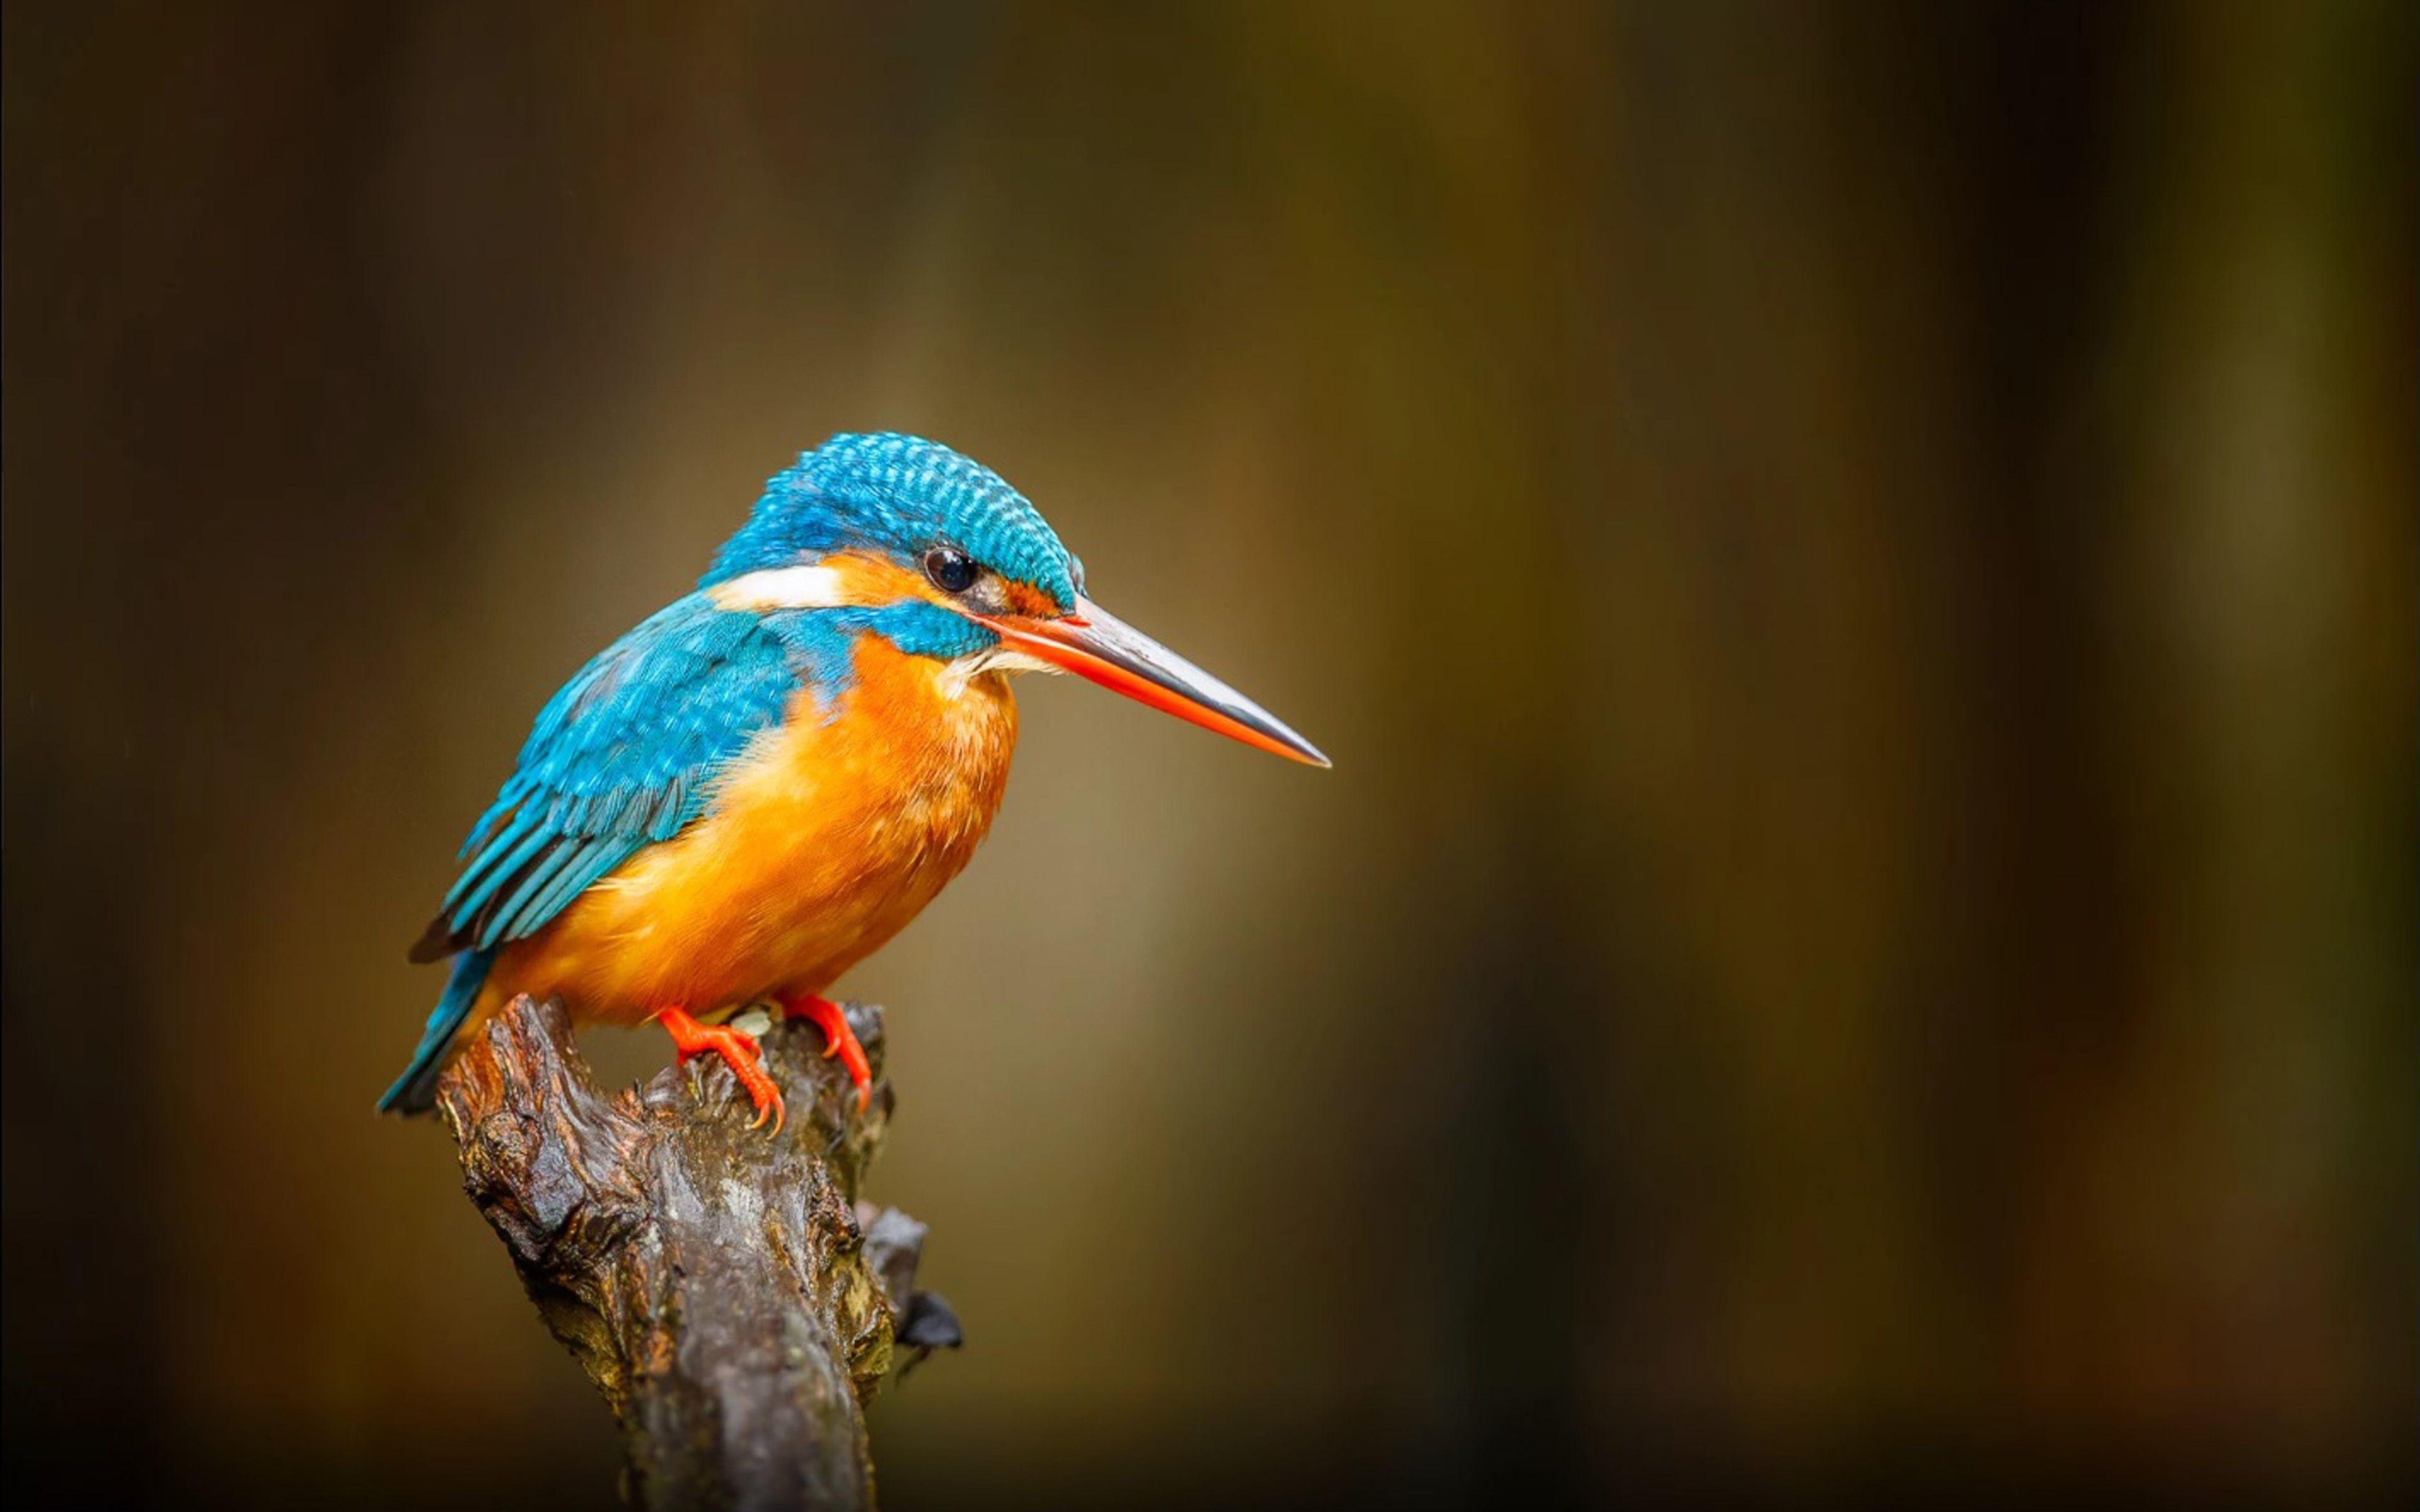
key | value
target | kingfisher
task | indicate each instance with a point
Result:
(768, 779)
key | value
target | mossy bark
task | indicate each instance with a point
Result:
(722, 1287)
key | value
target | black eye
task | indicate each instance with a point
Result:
(952, 570)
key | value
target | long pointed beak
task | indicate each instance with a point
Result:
(1093, 643)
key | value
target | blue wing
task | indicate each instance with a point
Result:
(621, 757)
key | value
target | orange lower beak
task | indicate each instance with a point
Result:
(1096, 644)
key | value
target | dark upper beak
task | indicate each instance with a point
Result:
(1093, 643)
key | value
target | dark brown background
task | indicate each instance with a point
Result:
(1856, 560)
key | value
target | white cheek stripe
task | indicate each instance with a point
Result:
(781, 588)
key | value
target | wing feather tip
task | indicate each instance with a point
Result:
(435, 944)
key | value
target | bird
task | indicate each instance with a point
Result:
(764, 781)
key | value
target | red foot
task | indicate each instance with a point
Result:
(839, 1038)
(739, 1050)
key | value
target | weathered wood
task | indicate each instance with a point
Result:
(722, 1286)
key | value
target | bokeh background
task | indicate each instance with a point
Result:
(1856, 560)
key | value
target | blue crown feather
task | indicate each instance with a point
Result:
(899, 494)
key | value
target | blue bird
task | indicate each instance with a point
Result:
(768, 779)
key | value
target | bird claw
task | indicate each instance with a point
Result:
(839, 1040)
(740, 1052)
(774, 1109)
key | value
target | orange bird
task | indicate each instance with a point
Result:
(763, 782)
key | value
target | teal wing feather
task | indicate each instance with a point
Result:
(621, 757)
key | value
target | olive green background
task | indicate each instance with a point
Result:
(1855, 562)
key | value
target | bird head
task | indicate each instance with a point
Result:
(938, 552)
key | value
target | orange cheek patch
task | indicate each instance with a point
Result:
(1031, 602)
(871, 579)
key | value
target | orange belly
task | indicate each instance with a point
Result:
(820, 844)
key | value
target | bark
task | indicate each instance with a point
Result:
(725, 1289)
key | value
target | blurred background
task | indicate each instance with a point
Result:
(1856, 560)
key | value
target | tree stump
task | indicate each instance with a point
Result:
(722, 1286)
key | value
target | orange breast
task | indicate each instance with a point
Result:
(820, 843)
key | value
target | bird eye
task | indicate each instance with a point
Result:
(952, 570)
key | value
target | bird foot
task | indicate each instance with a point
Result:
(839, 1040)
(739, 1050)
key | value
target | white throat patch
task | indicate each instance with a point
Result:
(1004, 658)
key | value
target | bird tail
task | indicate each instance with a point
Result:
(415, 1090)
